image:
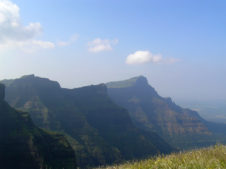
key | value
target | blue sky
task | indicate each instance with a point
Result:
(179, 45)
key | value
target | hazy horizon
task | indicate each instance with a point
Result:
(179, 46)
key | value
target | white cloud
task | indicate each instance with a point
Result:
(141, 57)
(100, 45)
(28, 46)
(71, 40)
(35, 45)
(13, 34)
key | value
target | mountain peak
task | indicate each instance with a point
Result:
(2, 92)
(139, 77)
(33, 80)
(138, 80)
(31, 76)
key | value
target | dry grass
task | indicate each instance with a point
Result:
(206, 158)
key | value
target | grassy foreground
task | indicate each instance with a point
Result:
(206, 158)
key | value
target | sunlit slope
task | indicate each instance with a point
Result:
(206, 158)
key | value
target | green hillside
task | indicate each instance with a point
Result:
(206, 158)
(100, 131)
(25, 146)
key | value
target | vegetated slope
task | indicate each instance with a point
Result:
(24, 146)
(100, 131)
(181, 127)
(206, 158)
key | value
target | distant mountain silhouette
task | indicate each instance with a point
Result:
(100, 131)
(24, 146)
(183, 128)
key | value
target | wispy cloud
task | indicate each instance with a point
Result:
(172, 60)
(100, 45)
(142, 57)
(70, 41)
(13, 34)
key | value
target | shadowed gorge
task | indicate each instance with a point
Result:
(24, 146)
(100, 131)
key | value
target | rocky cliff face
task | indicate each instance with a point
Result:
(24, 146)
(181, 127)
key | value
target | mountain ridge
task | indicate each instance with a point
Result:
(99, 130)
(150, 111)
(127, 83)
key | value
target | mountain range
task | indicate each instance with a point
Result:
(100, 131)
(110, 123)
